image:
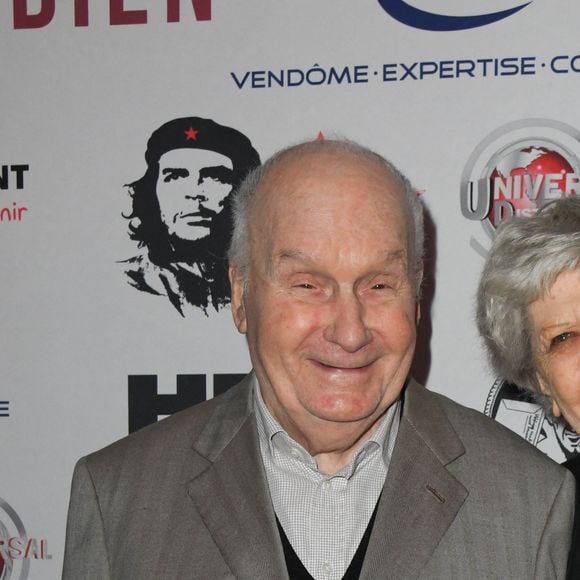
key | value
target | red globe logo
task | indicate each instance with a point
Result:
(524, 179)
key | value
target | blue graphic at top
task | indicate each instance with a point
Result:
(416, 18)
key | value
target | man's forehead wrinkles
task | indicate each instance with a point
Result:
(298, 255)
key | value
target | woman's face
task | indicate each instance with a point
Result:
(555, 320)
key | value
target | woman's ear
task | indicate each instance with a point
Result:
(547, 391)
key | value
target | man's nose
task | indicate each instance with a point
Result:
(196, 196)
(347, 327)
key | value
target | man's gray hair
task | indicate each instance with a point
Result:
(527, 256)
(242, 200)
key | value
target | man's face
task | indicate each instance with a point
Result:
(191, 189)
(330, 313)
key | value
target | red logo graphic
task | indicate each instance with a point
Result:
(525, 178)
(517, 169)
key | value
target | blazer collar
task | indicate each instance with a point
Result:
(419, 501)
(421, 498)
(231, 492)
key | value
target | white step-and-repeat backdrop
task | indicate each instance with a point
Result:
(110, 319)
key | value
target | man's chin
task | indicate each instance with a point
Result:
(191, 234)
(186, 248)
(343, 412)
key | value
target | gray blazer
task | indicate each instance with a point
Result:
(188, 498)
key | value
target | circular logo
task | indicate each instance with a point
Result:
(522, 178)
(12, 540)
(515, 408)
(517, 169)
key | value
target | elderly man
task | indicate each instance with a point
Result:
(328, 461)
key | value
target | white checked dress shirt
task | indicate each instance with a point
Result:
(324, 516)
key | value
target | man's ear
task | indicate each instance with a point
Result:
(419, 282)
(238, 307)
(547, 391)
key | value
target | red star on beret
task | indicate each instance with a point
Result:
(191, 134)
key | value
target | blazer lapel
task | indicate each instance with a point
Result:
(231, 492)
(421, 498)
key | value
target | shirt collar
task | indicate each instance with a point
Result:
(273, 437)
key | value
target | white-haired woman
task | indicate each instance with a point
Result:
(528, 312)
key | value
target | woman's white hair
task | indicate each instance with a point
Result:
(527, 256)
(242, 199)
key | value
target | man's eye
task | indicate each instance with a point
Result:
(383, 286)
(172, 175)
(210, 179)
(305, 285)
(216, 174)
